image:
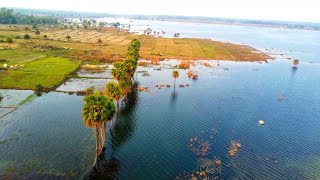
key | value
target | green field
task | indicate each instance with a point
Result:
(47, 71)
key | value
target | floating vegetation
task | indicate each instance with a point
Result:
(192, 75)
(143, 63)
(159, 86)
(168, 85)
(145, 89)
(208, 169)
(145, 74)
(142, 71)
(1, 97)
(29, 98)
(158, 68)
(205, 64)
(81, 93)
(201, 145)
(233, 150)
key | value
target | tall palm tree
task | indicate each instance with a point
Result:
(175, 75)
(97, 109)
(113, 91)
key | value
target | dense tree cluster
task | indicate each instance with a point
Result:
(124, 71)
(8, 16)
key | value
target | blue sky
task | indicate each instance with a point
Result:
(290, 10)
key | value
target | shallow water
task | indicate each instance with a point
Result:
(47, 138)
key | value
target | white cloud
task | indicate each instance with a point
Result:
(292, 10)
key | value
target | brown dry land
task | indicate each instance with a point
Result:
(115, 42)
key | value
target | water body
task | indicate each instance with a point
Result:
(46, 137)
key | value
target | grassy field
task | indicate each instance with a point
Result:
(47, 71)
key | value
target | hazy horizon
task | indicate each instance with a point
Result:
(305, 11)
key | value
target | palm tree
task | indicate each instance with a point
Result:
(295, 63)
(97, 110)
(175, 75)
(9, 41)
(68, 38)
(113, 91)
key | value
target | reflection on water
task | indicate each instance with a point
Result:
(124, 127)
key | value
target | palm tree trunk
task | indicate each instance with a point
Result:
(97, 146)
(111, 122)
(117, 107)
(103, 137)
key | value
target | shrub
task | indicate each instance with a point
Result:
(89, 91)
(184, 65)
(38, 89)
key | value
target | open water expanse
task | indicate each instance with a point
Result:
(167, 133)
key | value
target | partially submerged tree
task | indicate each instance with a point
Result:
(296, 63)
(175, 75)
(113, 91)
(96, 111)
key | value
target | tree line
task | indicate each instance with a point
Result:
(99, 108)
(9, 16)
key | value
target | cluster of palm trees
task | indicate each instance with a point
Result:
(124, 71)
(99, 108)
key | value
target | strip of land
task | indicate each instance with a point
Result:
(49, 57)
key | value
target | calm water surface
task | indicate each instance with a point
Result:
(46, 136)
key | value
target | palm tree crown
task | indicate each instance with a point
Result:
(97, 108)
(175, 74)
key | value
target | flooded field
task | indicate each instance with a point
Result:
(208, 127)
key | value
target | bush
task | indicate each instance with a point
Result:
(89, 91)
(38, 89)
(184, 65)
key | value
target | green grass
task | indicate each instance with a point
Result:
(48, 71)
(21, 56)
